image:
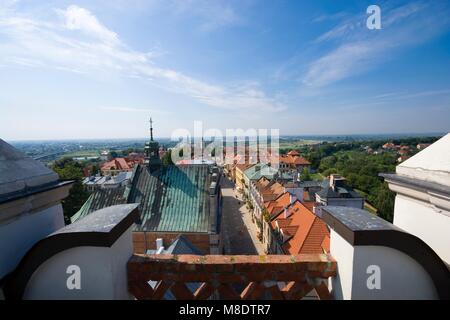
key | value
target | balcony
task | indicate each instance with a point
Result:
(275, 277)
(100, 247)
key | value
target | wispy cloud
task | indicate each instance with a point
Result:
(76, 18)
(330, 17)
(411, 95)
(358, 49)
(214, 14)
(149, 111)
(80, 43)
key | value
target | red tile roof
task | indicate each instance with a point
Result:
(124, 164)
(293, 160)
(275, 207)
(310, 234)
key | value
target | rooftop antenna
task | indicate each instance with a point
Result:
(151, 129)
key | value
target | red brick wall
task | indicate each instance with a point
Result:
(199, 240)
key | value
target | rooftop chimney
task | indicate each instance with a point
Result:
(336, 181)
(159, 244)
(292, 198)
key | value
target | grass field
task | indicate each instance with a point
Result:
(296, 143)
(82, 153)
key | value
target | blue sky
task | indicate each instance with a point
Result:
(99, 69)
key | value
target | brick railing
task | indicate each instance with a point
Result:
(229, 277)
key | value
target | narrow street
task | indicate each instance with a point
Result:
(239, 232)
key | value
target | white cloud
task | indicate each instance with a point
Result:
(359, 49)
(91, 48)
(77, 18)
(148, 111)
(348, 59)
(214, 14)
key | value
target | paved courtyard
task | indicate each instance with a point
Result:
(239, 232)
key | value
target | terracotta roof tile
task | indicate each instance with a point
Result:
(311, 231)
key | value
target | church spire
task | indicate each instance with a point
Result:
(151, 129)
(152, 159)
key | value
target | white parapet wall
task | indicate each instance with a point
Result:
(84, 273)
(377, 260)
(85, 260)
(18, 235)
(377, 272)
(422, 220)
(422, 203)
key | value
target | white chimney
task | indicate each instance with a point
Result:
(317, 210)
(159, 244)
(293, 198)
(285, 212)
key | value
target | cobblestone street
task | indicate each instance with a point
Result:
(239, 232)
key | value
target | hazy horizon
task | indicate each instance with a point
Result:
(300, 136)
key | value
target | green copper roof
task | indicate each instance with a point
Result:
(174, 198)
(259, 170)
(100, 199)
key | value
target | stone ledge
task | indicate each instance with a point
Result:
(362, 228)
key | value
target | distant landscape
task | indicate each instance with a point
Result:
(359, 158)
(50, 150)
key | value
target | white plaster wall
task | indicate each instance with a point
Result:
(421, 220)
(401, 276)
(342, 252)
(431, 164)
(17, 236)
(103, 273)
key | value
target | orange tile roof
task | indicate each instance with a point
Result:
(122, 163)
(326, 243)
(282, 222)
(310, 231)
(293, 160)
(274, 207)
(243, 166)
(270, 191)
(290, 231)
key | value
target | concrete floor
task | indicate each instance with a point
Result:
(239, 232)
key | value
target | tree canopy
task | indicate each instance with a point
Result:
(69, 169)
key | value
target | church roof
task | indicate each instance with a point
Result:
(171, 199)
(100, 199)
(174, 198)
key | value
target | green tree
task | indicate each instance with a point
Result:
(305, 175)
(114, 154)
(384, 202)
(167, 159)
(327, 172)
(68, 169)
(94, 170)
